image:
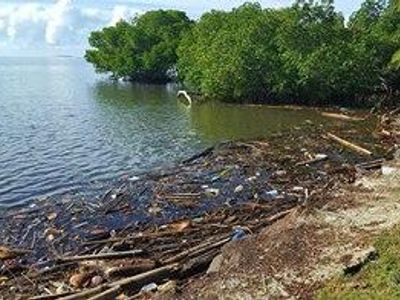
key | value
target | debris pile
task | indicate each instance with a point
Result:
(159, 229)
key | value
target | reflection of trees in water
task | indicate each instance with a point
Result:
(126, 94)
(216, 122)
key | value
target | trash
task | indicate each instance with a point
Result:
(52, 216)
(280, 173)
(134, 179)
(388, 170)
(251, 179)
(297, 189)
(210, 192)
(272, 193)
(152, 287)
(239, 189)
(238, 234)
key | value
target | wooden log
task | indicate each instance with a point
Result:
(349, 145)
(341, 117)
(112, 255)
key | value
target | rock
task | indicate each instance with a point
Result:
(168, 287)
(216, 264)
(239, 189)
(96, 281)
(79, 280)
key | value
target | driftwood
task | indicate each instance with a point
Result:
(112, 255)
(197, 250)
(349, 145)
(341, 117)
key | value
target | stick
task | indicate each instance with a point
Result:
(50, 297)
(197, 250)
(109, 294)
(312, 161)
(349, 145)
(113, 255)
(341, 117)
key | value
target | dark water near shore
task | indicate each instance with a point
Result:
(65, 130)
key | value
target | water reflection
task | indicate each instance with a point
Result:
(64, 130)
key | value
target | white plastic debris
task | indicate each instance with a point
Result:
(239, 189)
(152, 287)
(212, 192)
(134, 179)
(272, 193)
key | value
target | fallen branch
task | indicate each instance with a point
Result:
(132, 284)
(349, 145)
(195, 251)
(113, 255)
(312, 161)
(341, 117)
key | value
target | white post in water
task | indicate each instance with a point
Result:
(186, 95)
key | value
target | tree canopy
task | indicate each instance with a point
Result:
(143, 49)
(306, 53)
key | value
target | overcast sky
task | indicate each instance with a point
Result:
(56, 27)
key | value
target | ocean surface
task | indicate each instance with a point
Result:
(65, 131)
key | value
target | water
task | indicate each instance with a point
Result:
(66, 131)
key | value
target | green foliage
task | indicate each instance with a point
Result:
(379, 280)
(143, 50)
(305, 54)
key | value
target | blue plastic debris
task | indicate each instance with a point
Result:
(272, 193)
(238, 234)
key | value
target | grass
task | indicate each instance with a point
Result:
(379, 279)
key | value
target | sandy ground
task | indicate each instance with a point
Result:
(295, 256)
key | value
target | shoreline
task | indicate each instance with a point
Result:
(181, 216)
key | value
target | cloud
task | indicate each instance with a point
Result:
(122, 12)
(54, 25)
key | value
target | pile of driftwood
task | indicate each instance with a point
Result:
(159, 229)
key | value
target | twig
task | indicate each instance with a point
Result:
(349, 145)
(113, 255)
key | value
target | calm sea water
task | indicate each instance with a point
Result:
(66, 131)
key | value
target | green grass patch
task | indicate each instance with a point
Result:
(379, 279)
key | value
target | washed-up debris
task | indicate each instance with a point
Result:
(160, 228)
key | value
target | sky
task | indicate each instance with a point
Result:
(61, 27)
